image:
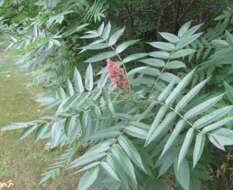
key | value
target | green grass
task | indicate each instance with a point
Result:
(22, 161)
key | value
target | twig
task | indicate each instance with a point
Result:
(186, 11)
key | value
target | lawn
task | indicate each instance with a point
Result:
(22, 161)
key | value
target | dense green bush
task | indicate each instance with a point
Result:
(149, 118)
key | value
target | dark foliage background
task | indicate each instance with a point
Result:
(145, 18)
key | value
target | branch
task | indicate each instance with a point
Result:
(186, 11)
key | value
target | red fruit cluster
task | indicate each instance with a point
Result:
(117, 76)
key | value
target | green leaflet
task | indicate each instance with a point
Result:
(168, 77)
(163, 45)
(229, 37)
(101, 57)
(216, 143)
(107, 31)
(158, 118)
(217, 124)
(89, 166)
(105, 133)
(81, 102)
(88, 159)
(178, 128)
(101, 29)
(229, 91)
(69, 122)
(108, 100)
(100, 147)
(27, 131)
(114, 38)
(167, 162)
(198, 148)
(14, 126)
(162, 128)
(132, 72)
(218, 42)
(213, 116)
(131, 151)
(102, 81)
(221, 57)
(57, 133)
(182, 53)
(182, 84)
(182, 174)
(69, 102)
(95, 46)
(149, 71)
(89, 78)
(72, 129)
(193, 29)
(187, 40)
(110, 170)
(61, 93)
(169, 37)
(125, 45)
(136, 132)
(94, 154)
(164, 94)
(88, 179)
(159, 54)
(70, 87)
(175, 65)
(203, 106)
(162, 111)
(223, 136)
(153, 62)
(184, 28)
(78, 81)
(90, 35)
(124, 162)
(190, 95)
(41, 131)
(117, 167)
(134, 57)
(185, 146)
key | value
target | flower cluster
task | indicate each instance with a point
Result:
(117, 76)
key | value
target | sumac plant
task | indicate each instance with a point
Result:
(144, 120)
